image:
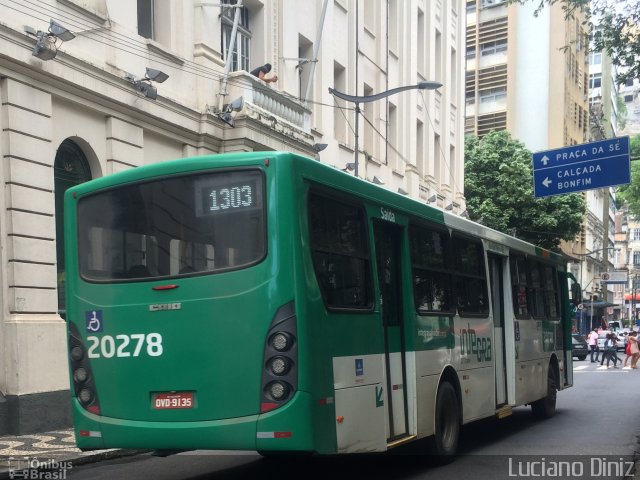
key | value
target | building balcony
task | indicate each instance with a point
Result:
(263, 103)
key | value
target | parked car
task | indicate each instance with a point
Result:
(579, 346)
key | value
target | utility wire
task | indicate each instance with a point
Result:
(342, 109)
(400, 155)
(135, 47)
(132, 46)
(139, 49)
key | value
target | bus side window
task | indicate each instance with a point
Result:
(470, 277)
(550, 287)
(519, 287)
(537, 292)
(430, 261)
(337, 233)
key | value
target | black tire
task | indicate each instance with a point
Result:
(582, 357)
(546, 406)
(443, 445)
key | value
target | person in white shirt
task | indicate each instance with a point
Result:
(593, 345)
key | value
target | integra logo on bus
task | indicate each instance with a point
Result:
(470, 344)
(165, 306)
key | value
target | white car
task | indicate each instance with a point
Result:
(621, 337)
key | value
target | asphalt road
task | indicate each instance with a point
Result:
(593, 435)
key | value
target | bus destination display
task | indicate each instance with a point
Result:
(237, 196)
(215, 195)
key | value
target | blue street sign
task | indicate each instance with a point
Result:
(581, 167)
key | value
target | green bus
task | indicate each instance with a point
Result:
(266, 301)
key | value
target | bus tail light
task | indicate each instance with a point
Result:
(83, 384)
(278, 390)
(80, 375)
(280, 365)
(280, 372)
(281, 341)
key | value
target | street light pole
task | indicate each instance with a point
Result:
(358, 99)
(587, 254)
(592, 325)
(600, 262)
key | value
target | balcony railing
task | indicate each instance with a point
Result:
(265, 103)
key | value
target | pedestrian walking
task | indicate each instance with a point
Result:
(593, 345)
(633, 349)
(627, 352)
(610, 350)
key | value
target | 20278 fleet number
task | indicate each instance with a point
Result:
(108, 347)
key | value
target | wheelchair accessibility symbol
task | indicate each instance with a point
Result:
(94, 320)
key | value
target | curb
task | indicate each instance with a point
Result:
(60, 464)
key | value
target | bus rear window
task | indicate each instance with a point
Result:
(173, 226)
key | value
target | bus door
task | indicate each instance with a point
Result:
(387, 239)
(564, 335)
(496, 278)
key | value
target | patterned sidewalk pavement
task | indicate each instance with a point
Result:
(54, 452)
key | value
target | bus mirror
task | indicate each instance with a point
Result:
(576, 293)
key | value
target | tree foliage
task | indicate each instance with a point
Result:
(614, 25)
(630, 194)
(499, 193)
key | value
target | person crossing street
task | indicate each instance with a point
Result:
(609, 353)
(633, 349)
(593, 345)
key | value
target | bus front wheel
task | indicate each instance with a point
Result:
(546, 406)
(444, 443)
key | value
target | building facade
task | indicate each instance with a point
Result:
(78, 102)
(530, 73)
(526, 73)
(630, 93)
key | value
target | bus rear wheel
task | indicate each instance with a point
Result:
(546, 406)
(444, 443)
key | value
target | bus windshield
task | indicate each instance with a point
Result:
(173, 226)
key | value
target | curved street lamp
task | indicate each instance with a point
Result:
(357, 100)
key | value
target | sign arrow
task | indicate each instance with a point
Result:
(546, 182)
(545, 160)
(379, 400)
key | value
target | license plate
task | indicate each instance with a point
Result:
(172, 400)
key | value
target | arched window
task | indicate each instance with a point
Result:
(70, 168)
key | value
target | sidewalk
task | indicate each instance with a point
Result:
(54, 452)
